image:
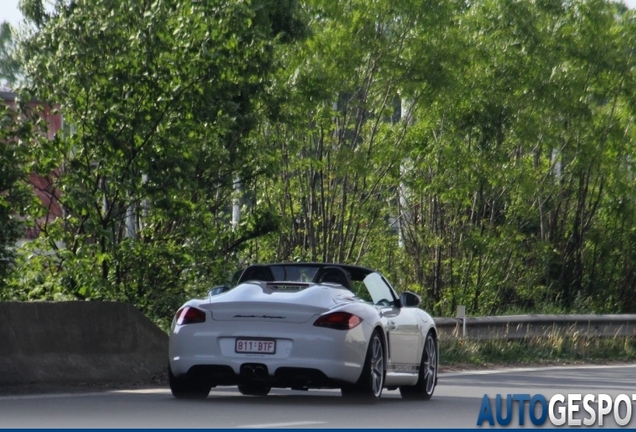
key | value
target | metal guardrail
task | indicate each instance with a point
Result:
(521, 326)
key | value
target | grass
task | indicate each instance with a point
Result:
(556, 347)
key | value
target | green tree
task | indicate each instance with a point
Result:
(9, 65)
(158, 99)
(509, 175)
(15, 133)
(340, 140)
(480, 153)
(512, 168)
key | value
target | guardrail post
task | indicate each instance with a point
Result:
(461, 313)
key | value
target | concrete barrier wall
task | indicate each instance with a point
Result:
(521, 326)
(78, 342)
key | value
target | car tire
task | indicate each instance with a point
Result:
(182, 387)
(427, 380)
(253, 389)
(371, 381)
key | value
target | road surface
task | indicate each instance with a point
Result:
(456, 403)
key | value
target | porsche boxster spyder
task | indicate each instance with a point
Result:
(304, 326)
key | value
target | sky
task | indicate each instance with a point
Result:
(9, 10)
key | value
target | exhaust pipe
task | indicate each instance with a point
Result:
(259, 372)
(254, 371)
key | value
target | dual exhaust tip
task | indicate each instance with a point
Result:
(254, 371)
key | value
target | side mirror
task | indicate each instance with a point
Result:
(217, 290)
(409, 299)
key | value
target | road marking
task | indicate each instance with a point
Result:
(53, 396)
(281, 425)
(85, 394)
(531, 369)
(142, 391)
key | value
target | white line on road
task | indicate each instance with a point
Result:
(85, 394)
(53, 396)
(143, 391)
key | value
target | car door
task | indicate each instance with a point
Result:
(403, 329)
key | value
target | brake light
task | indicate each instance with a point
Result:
(338, 321)
(190, 315)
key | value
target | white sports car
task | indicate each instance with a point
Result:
(304, 326)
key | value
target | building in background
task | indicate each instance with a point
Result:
(42, 186)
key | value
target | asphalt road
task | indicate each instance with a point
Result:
(456, 403)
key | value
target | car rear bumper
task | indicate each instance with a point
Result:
(313, 357)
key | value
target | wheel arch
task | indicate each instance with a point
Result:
(385, 343)
(432, 330)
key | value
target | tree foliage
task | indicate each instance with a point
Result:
(492, 186)
(479, 153)
(158, 99)
(9, 64)
(16, 131)
(512, 168)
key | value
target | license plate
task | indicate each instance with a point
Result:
(255, 346)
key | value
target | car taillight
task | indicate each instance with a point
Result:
(190, 315)
(338, 321)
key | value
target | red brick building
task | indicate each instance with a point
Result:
(42, 186)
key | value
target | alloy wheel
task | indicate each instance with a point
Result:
(430, 364)
(377, 366)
